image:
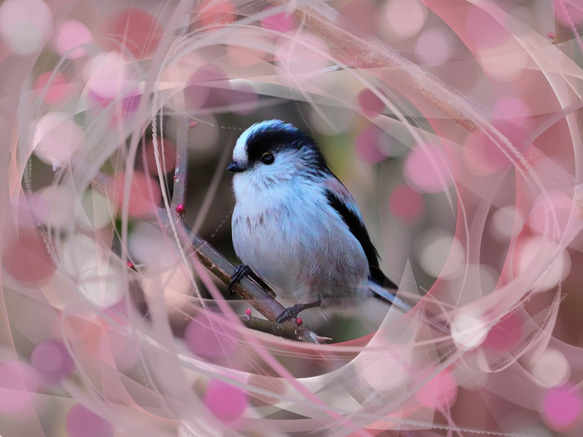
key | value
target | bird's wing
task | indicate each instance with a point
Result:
(342, 201)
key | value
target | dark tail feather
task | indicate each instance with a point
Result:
(389, 297)
(392, 299)
(378, 277)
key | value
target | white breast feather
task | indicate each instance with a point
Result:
(291, 238)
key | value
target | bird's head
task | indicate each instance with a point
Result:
(272, 151)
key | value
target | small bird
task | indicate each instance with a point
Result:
(296, 227)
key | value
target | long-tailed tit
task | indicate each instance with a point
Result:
(296, 227)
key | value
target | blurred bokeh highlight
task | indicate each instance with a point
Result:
(109, 327)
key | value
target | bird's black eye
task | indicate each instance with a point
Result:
(267, 158)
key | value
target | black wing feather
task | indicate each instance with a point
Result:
(358, 229)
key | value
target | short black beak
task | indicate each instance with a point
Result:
(235, 167)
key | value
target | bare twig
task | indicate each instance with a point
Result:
(181, 167)
(562, 33)
(364, 51)
(219, 266)
(286, 330)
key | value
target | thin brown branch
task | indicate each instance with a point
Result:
(219, 266)
(285, 330)
(181, 169)
(364, 51)
(562, 33)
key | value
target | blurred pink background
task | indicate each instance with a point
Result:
(455, 125)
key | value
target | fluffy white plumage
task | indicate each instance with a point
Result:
(294, 223)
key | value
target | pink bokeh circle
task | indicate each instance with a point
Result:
(406, 204)
(511, 108)
(81, 422)
(19, 383)
(434, 46)
(483, 31)
(302, 57)
(208, 339)
(216, 14)
(108, 77)
(144, 197)
(485, 153)
(282, 21)
(372, 145)
(207, 86)
(427, 169)
(56, 138)
(52, 87)
(370, 104)
(226, 402)
(550, 213)
(403, 18)
(505, 334)
(439, 393)
(25, 25)
(562, 407)
(52, 360)
(137, 31)
(71, 35)
(27, 260)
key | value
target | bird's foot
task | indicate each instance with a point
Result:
(240, 271)
(293, 311)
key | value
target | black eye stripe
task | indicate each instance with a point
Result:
(281, 138)
(273, 139)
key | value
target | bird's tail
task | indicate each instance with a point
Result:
(391, 298)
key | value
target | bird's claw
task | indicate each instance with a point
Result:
(293, 311)
(240, 271)
(290, 313)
